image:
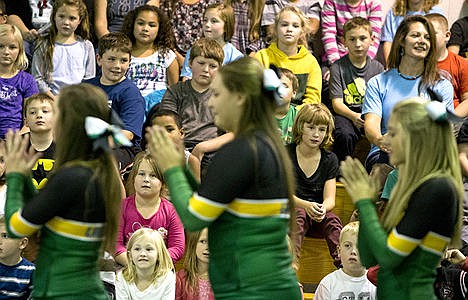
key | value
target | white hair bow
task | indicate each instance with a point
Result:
(439, 112)
(98, 130)
(272, 83)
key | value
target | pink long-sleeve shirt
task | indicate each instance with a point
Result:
(165, 220)
(335, 13)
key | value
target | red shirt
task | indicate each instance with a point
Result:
(457, 67)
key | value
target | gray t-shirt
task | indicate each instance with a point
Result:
(194, 113)
(349, 83)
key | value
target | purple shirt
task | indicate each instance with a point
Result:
(12, 93)
(165, 220)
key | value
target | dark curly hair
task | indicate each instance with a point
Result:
(164, 40)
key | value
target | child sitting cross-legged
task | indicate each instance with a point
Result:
(349, 282)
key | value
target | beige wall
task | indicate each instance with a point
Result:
(454, 9)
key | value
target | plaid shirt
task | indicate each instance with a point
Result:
(240, 39)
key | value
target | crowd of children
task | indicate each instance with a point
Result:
(154, 64)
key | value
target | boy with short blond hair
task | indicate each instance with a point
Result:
(349, 282)
(348, 77)
(39, 117)
(15, 271)
(189, 100)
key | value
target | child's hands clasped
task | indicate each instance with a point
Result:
(357, 182)
(19, 159)
(316, 211)
(162, 148)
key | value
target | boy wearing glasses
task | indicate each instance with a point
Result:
(15, 271)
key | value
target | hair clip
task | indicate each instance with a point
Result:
(98, 130)
(272, 83)
(439, 113)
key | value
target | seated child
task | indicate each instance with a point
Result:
(149, 273)
(286, 113)
(15, 83)
(348, 77)
(114, 52)
(171, 122)
(189, 100)
(146, 207)
(349, 282)
(192, 282)
(218, 24)
(65, 56)
(39, 117)
(15, 271)
(154, 66)
(316, 170)
(289, 51)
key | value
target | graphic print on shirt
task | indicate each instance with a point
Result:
(145, 74)
(351, 296)
(354, 92)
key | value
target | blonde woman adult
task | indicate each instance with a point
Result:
(423, 215)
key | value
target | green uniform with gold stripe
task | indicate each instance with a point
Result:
(69, 211)
(243, 201)
(409, 254)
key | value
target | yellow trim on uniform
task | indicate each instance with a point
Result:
(258, 208)
(76, 230)
(20, 226)
(205, 209)
(401, 244)
(434, 242)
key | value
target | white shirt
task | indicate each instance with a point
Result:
(163, 288)
(340, 286)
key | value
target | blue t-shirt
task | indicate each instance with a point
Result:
(385, 90)
(392, 22)
(230, 54)
(126, 100)
(16, 281)
(12, 93)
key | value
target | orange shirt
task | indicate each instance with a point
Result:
(457, 67)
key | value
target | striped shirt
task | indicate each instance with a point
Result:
(335, 13)
(16, 281)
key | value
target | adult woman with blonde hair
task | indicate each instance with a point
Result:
(424, 213)
(77, 211)
(245, 203)
(412, 73)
